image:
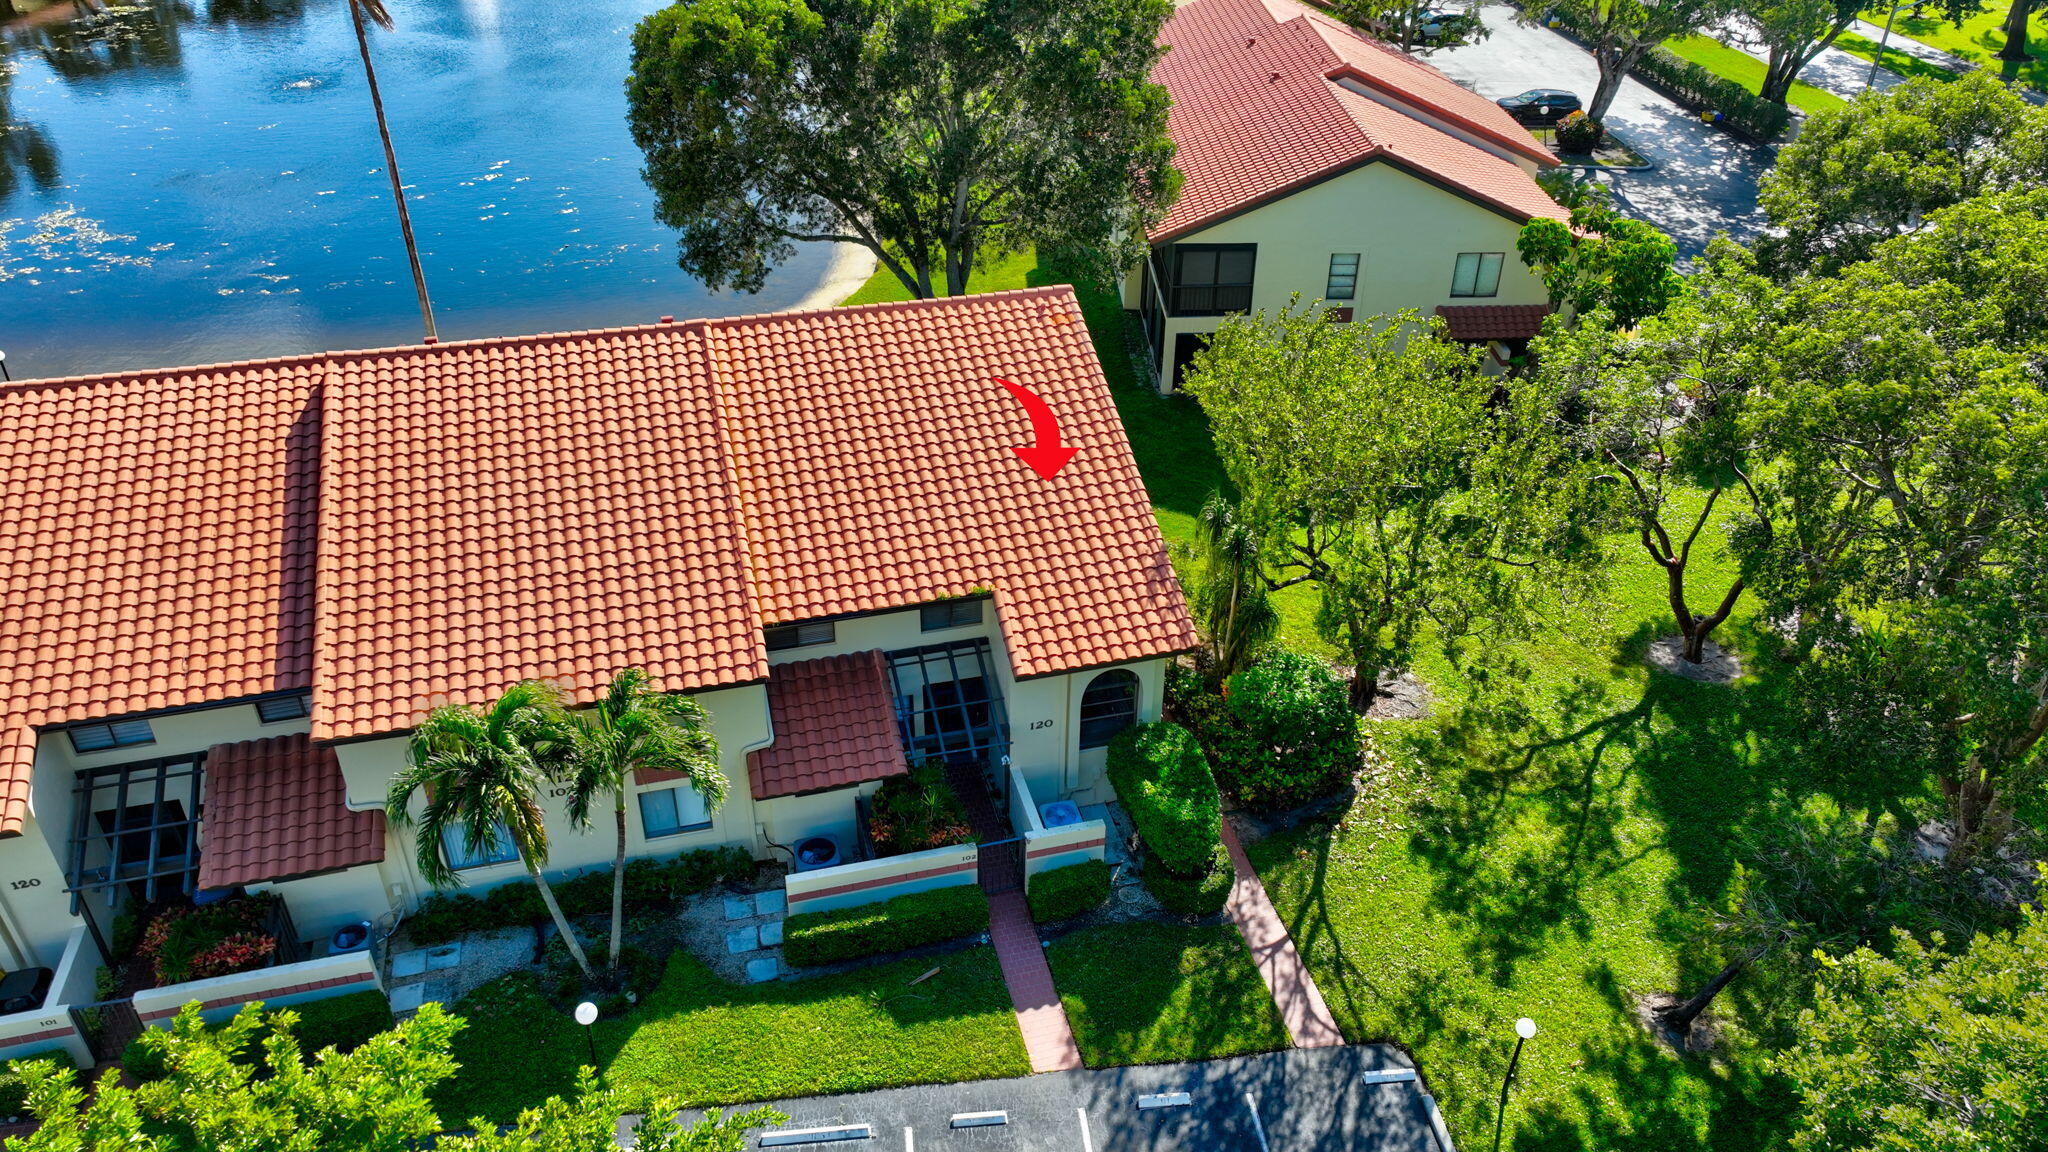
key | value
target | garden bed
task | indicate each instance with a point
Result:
(1614, 152)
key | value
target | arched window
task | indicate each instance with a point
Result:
(1109, 706)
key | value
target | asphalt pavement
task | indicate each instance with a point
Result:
(1360, 1098)
(1705, 180)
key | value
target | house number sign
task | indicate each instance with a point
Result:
(1037, 724)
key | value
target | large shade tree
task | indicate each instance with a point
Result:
(635, 727)
(1375, 462)
(934, 133)
(484, 773)
(1619, 33)
(1877, 168)
(1791, 34)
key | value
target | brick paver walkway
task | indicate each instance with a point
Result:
(1294, 990)
(1040, 1016)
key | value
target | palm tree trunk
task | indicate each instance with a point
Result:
(619, 884)
(412, 248)
(547, 897)
(1679, 1017)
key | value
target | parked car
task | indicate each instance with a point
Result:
(1446, 24)
(1540, 107)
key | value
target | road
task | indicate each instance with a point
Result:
(1705, 180)
(1361, 1098)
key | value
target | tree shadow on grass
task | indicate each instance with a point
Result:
(1148, 993)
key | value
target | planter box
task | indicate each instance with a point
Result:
(285, 984)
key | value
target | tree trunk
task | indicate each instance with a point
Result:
(619, 884)
(1365, 688)
(1679, 1018)
(2016, 30)
(547, 897)
(1779, 73)
(1976, 819)
(412, 248)
(1613, 70)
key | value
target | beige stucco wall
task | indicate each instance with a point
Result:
(278, 987)
(1408, 234)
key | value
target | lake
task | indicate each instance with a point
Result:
(188, 182)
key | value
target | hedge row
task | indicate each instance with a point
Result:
(1201, 893)
(650, 883)
(1698, 89)
(813, 938)
(1165, 784)
(1061, 893)
(14, 1098)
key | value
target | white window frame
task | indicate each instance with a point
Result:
(675, 796)
(1476, 270)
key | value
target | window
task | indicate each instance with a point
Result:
(1477, 274)
(787, 636)
(1212, 279)
(1109, 706)
(279, 708)
(118, 734)
(950, 614)
(667, 811)
(498, 851)
(1343, 276)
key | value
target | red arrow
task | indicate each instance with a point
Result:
(1047, 456)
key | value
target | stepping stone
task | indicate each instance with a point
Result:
(771, 934)
(408, 998)
(740, 940)
(762, 970)
(738, 908)
(407, 964)
(771, 902)
(445, 957)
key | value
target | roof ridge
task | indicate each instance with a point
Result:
(885, 306)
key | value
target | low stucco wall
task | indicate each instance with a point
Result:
(50, 1027)
(1023, 805)
(867, 881)
(286, 984)
(1051, 848)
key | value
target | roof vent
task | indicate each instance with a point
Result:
(668, 319)
(1276, 78)
(1251, 41)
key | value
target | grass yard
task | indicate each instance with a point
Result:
(1145, 993)
(1978, 40)
(711, 1042)
(1895, 61)
(1748, 71)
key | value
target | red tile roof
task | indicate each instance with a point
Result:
(277, 808)
(157, 547)
(1266, 100)
(559, 506)
(1493, 321)
(835, 724)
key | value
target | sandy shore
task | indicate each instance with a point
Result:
(851, 266)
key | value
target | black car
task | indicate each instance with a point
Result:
(1540, 107)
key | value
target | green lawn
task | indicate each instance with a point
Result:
(1978, 40)
(1146, 993)
(1895, 61)
(711, 1042)
(1748, 71)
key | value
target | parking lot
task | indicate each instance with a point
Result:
(1364, 1098)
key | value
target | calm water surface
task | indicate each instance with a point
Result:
(184, 181)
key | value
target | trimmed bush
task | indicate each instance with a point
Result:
(142, 1060)
(650, 882)
(1061, 893)
(911, 921)
(1579, 133)
(1201, 893)
(1289, 737)
(13, 1098)
(1165, 784)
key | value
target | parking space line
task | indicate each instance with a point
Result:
(909, 1139)
(1087, 1140)
(1258, 1128)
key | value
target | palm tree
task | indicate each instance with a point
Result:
(483, 773)
(636, 726)
(375, 10)
(1231, 595)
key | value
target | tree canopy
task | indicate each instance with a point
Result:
(935, 133)
(1619, 33)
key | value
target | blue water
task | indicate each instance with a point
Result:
(185, 182)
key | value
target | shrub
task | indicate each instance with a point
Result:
(13, 1098)
(1165, 784)
(915, 812)
(1579, 132)
(1199, 893)
(650, 882)
(1289, 737)
(219, 939)
(142, 1060)
(1060, 893)
(342, 1022)
(1193, 702)
(920, 918)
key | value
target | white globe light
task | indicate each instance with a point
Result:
(586, 1013)
(1525, 1027)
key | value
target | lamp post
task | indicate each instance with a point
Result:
(586, 1015)
(1881, 43)
(1525, 1028)
(5, 377)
